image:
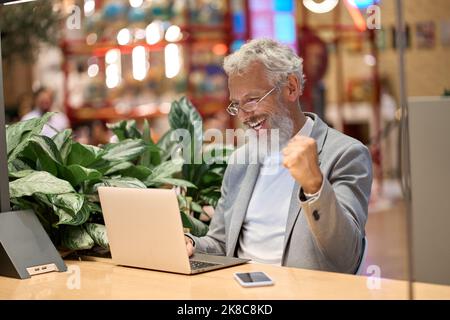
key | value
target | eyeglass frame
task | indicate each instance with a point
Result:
(238, 107)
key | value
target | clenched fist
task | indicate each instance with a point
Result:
(300, 158)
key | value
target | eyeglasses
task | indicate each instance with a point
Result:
(233, 108)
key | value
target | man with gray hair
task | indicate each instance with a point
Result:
(311, 211)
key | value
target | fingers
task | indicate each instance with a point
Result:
(300, 151)
(289, 161)
(289, 158)
(300, 145)
(189, 246)
(300, 142)
(291, 153)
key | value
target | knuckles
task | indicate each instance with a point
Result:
(298, 148)
(302, 142)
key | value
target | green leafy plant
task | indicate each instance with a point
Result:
(58, 177)
(205, 167)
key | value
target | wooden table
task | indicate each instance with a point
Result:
(104, 280)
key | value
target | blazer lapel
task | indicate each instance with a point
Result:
(241, 205)
(294, 210)
(318, 133)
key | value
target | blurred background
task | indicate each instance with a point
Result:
(100, 61)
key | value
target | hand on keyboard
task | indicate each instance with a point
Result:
(189, 246)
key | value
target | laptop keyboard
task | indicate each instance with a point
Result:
(195, 265)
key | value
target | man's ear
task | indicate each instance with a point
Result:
(293, 88)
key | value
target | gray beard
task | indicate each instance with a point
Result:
(285, 127)
(274, 140)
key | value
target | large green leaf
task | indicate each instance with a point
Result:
(61, 137)
(98, 233)
(47, 153)
(138, 172)
(18, 134)
(83, 154)
(42, 182)
(76, 238)
(125, 150)
(63, 141)
(183, 115)
(64, 217)
(151, 157)
(72, 202)
(21, 173)
(121, 182)
(147, 137)
(165, 170)
(77, 174)
(125, 129)
(66, 149)
(167, 145)
(70, 208)
(195, 226)
(74, 219)
(172, 181)
(18, 165)
(118, 167)
(23, 203)
(44, 199)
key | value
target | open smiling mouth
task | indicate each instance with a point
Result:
(257, 124)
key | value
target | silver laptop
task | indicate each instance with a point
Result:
(145, 230)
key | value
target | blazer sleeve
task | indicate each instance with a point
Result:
(337, 216)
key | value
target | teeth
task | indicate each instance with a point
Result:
(256, 124)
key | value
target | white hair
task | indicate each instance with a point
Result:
(280, 61)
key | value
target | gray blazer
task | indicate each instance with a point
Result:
(325, 233)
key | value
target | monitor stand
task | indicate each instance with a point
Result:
(25, 247)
